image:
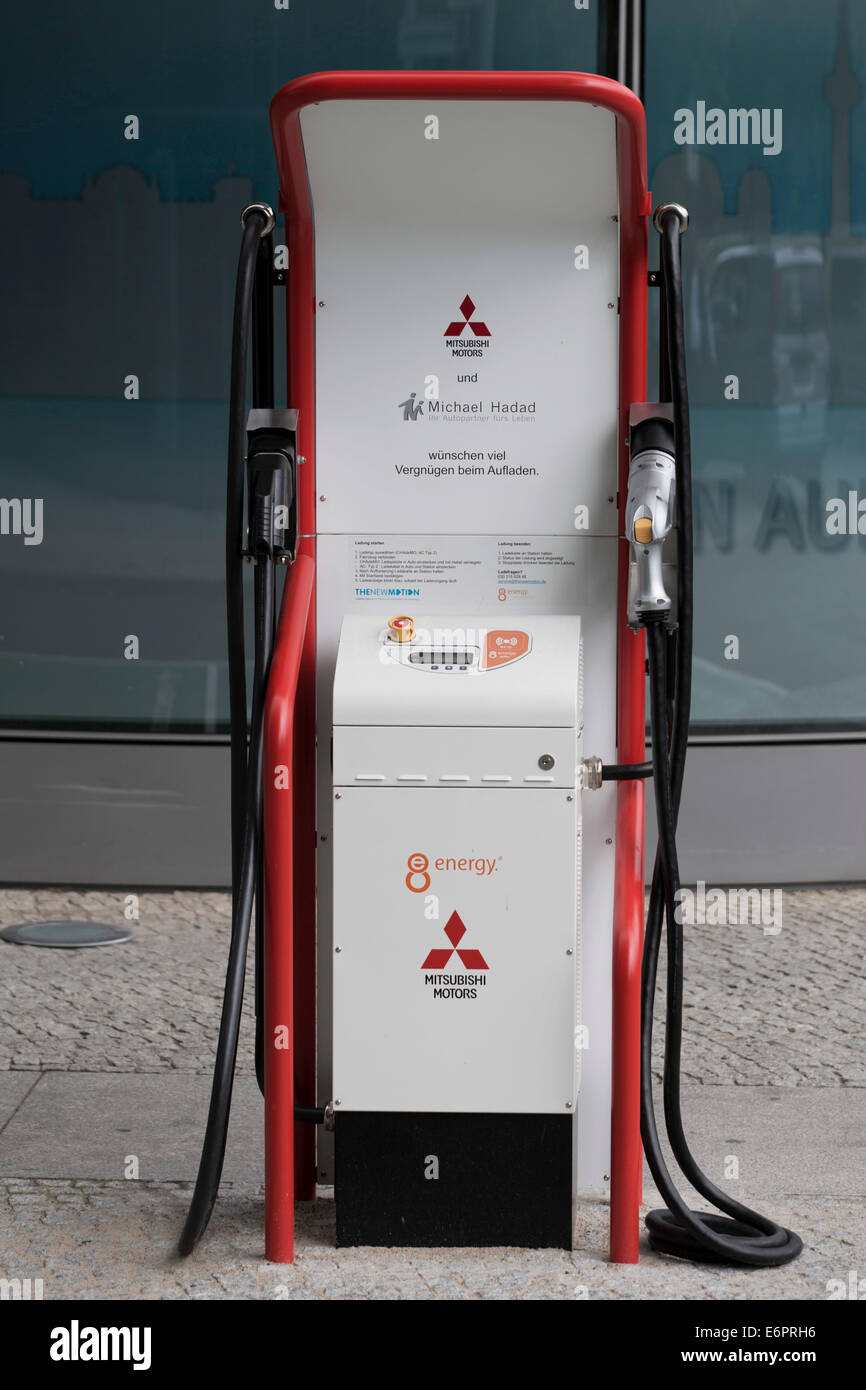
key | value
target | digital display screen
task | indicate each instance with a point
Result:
(442, 657)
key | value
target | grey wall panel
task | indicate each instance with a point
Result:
(117, 814)
(114, 814)
(771, 813)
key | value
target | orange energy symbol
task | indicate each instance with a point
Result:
(467, 309)
(417, 880)
(455, 931)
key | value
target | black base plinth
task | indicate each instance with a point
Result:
(435, 1180)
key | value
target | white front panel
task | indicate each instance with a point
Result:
(415, 1026)
(508, 758)
(514, 206)
(520, 576)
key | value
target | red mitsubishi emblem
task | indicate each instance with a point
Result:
(455, 931)
(467, 309)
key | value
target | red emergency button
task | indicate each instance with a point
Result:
(401, 629)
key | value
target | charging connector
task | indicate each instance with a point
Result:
(649, 511)
(272, 526)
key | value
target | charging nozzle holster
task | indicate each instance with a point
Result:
(272, 527)
(649, 512)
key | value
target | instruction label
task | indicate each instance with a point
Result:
(465, 571)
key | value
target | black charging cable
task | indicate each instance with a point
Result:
(270, 484)
(625, 772)
(740, 1236)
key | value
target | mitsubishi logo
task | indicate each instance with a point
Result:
(455, 930)
(467, 309)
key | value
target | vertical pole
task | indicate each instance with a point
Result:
(626, 1159)
(301, 351)
(282, 791)
(305, 907)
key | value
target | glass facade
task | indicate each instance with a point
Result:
(126, 156)
(756, 121)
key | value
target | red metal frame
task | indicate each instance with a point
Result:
(285, 767)
(296, 638)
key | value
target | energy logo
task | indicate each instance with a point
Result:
(456, 327)
(418, 880)
(455, 930)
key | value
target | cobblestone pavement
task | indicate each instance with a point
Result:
(782, 1010)
(786, 1009)
(116, 1240)
(778, 1009)
(149, 1005)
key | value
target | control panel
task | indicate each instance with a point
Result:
(382, 661)
(451, 650)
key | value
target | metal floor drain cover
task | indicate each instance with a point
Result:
(65, 934)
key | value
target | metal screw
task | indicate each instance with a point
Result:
(321, 303)
(337, 950)
(569, 951)
(608, 841)
(322, 497)
(338, 796)
(302, 458)
(569, 797)
(546, 761)
(614, 217)
(338, 1102)
(610, 304)
(568, 1105)
(323, 838)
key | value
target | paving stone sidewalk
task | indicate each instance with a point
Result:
(116, 1241)
(786, 1009)
(106, 1050)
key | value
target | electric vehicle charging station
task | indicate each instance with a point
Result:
(480, 517)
